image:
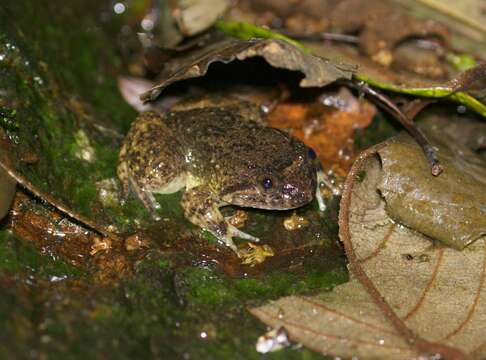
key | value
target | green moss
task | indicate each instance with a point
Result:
(52, 72)
(18, 256)
(8, 119)
(60, 72)
(213, 289)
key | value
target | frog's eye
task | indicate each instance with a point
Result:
(267, 183)
(311, 154)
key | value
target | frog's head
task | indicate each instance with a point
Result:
(279, 180)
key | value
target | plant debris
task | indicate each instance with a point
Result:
(278, 53)
(86, 274)
(381, 313)
(327, 125)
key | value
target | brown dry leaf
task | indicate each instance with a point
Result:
(408, 297)
(329, 130)
(449, 208)
(381, 26)
(303, 16)
(470, 12)
(317, 71)
(378, 27)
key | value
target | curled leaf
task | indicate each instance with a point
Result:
(449, 208)
(407, 297)
(278, 53)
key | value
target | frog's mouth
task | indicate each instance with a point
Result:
(281, 199)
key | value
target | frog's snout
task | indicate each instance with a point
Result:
(295, 197)
(299, 193)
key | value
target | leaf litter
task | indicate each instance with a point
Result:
(409, 296)
(317, 72)
(278, 53)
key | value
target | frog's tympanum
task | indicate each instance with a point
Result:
(222, 155)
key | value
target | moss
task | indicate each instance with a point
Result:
(52, 73)
(209, 288)
(8, 119)
(60, 71)
(18, 256)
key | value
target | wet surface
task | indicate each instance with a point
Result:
(158, 289)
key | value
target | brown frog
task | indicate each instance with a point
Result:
(221, 154)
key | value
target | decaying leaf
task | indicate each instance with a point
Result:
(377, 75)
(327, 125)
(278, 53)
(381, 26)
(408, 296)
(378, 26)
(450, 208)
(470, 12)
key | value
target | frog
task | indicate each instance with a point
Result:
(218, 153)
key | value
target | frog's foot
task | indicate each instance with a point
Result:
(234, 232)
(231, 232)
(147, 199)
(228, 241)
(201, 207)
(320, 199)
(255, 254)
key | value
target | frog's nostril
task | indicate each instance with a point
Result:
(290, 190)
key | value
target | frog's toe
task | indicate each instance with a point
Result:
(228, 241)
(233, 231)
(320, 199)
(147, 199)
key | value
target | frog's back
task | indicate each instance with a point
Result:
(223, 145)
(150, 157)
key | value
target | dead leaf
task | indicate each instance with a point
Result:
(381, 26)
(304, 16)
(317, 71)
(327, 126)
(449, 208)
(470, 12)
(408, 297)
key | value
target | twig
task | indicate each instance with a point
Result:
(26, 184)
(408, 124)
(322, 36)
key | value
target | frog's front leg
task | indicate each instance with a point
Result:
(201, 207)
